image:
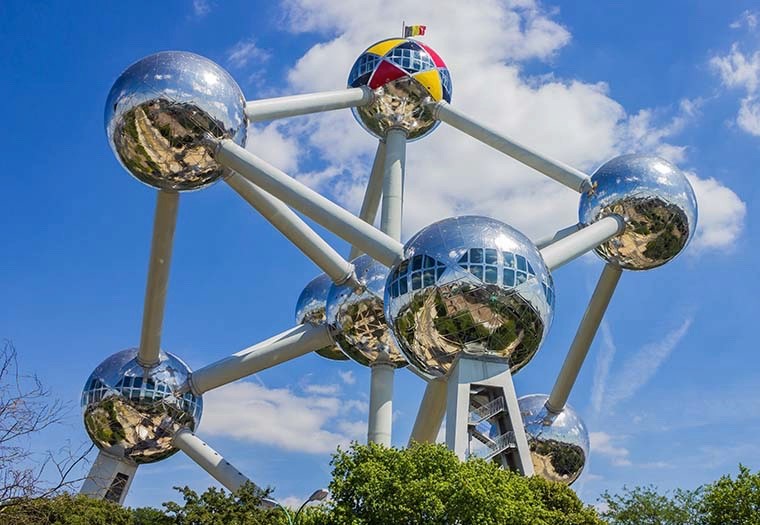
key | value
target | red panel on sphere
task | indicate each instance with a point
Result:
(438, 61)
(384, 73)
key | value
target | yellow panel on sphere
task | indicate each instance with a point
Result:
(381, 48)
(432, 82)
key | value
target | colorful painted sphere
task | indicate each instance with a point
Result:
(404, 74)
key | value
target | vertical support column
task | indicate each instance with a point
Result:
(381, 383)
(393, 184)
(471, 376)
(167, 204)
(109, 478)
(381, 403)
(372, 194)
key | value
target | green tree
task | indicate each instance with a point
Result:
(427, 484)
(646, 506)
(731, 501)
(66, 510)
(219, 507)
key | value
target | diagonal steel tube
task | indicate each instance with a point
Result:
(341, 222)
(557, 236)
(431, 412)
(582, 241)
(295, 229)
(164, 222)
(285, 346)
(559, 171)
(292, 106)
(371, 202)
(584, 337)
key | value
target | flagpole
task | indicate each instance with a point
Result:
(403, 29)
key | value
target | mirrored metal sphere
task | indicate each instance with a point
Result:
(469, 284)
(159, 113)
(357, 316)
(559, 443)
(311, 308)
(657, 202)
(403, 74)
(131, 412)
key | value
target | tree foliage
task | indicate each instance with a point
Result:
(427, 484)
(727, 501)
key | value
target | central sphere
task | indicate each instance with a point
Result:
(357, 316)
(559, 442)
(656, 201)
(160, 113)
(311, 308)
(469, 284)
(133, 413)
(403, 74)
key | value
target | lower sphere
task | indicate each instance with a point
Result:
(559, 442)
(133, 413)
(311, 308)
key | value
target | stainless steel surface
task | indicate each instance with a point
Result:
(294, 229)
(392, 210)
(543, 242)
(469, 284)
(157, 283)
(133, 412)
(559, 253)
(404, 74)
(559, 442)
(315, 206)
(209, 460)
(357, 318)
(559, 171)
(283, 107)
(374, 191)
(657, 202)
(430, 415)
(159, 113)
(311, 308)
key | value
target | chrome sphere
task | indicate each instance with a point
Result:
(657, 202)
(131, 412)
(160, 112)
(311, 308)
(469, 284)
(403, 74)
(357, 316)
(558, 443)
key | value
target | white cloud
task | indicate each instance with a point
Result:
(747, 19)
(243, 52)
(602, 370)
(325, 390)
(347, 377)
(642, 366)
(740, 71)
(602, 444)
(449, 173)
(315, 423)
(721, 215)
(201, 7)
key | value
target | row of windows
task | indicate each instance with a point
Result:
(97, 390)
(446, 82)
(412, 60)
(365, 64)
(489, 265)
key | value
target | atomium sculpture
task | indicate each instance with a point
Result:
(465, 303)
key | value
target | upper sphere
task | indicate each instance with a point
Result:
(131, 412)
(656, 201)
(403, 74)
(559, 443)
(469, 284)
(160, 112)
(357, 316)
(311, 308)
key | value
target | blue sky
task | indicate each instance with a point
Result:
(669, 390)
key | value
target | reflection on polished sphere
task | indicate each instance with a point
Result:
(160, 112)
(357, 316)
(403, 74)
(311, 308)
(558, 443)
(657, 202)
(469, 284)
(132, 413)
